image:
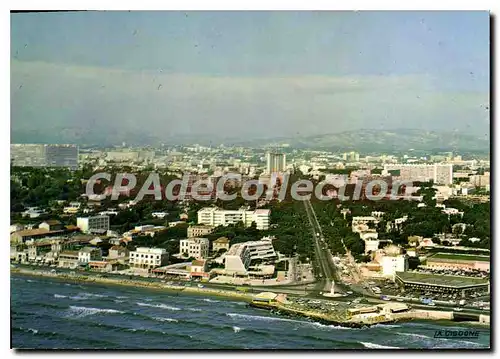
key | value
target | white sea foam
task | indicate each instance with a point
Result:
(386, 326)
(162, 319)
(79, 312)
(236, 329)
(414, 335)
(211, 300)
(34, 331)
(325, 326)
(161, 305)
(258, 317)
(86, 296)
(377, 346)
(60, 296)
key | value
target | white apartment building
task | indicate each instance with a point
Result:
(392, 264)
(350, 156)
(480, 180)
(88, 254)
(148, 258)
(239, 256)
(93, 224)
(194, 247)
(437, 172)
(213, 216)
(198, 231)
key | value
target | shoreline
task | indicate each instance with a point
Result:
(235, 295)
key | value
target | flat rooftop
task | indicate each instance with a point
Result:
(459, 257)
(448, 281)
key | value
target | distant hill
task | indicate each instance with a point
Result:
(387, 141)
(364, 141)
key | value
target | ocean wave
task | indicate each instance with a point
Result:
(25, 330)
(328, 326)
(161, 305)
(377, 346)
(60, 296)
(79, 312)
(279, 319)
(262, 318)
(60, 336)
(162, 319)
(236, 329)
(385, 326)
(86, 296)
(414, 335)
(451, 344)
(211, 300)
(118, 301)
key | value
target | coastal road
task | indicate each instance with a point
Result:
(323, 257)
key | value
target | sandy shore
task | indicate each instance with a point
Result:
(235, 295)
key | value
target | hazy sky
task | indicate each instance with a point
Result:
(248, 74)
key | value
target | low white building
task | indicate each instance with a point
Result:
(194, 247)
(371, 241)
(88, 254)
(159, 214)
(220, 243)
(213, 216)
(199, 231)
(452, 211)
(363, 223)
(16, 227)
(199, 269)
(239, 256)
(94, 224)
(148, 258)
(392, 264)
(118, 252)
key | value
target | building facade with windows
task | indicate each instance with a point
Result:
(275, 162)
(212, 216)
(40, 155)
(238, 258)
(148, 258)
(94, 224)
(199, 231)
(194, 247)
(437, 172)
